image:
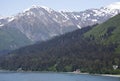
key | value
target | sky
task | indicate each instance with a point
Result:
(12, 7)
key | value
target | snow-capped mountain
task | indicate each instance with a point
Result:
(40, 23)
(114, 6)
(93, 16)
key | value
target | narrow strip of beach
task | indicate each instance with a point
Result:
(109, 75)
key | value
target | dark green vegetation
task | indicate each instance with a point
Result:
(107, 33)
(91, 49)
(11, 38)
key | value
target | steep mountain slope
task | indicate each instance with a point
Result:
(11, 38)
(40, 23)
(76, 50)
(107, 33)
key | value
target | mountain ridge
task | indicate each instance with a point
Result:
(80, 49)
(42, 23)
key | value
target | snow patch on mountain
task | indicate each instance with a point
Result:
(1, 25)
(64, 15)
(79, 26)
(11, 18)
(47, 9)
(115, 5)
(94, 20)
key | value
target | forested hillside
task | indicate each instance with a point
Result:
(90, 49)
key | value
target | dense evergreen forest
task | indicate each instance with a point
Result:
(91, 49)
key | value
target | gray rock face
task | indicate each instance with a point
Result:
(41, 23)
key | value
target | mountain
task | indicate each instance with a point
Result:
(86, 49)
(12, 38)
(114, 6)
(107, 33)
(40, 23)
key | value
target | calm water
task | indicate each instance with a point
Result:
(53, 77)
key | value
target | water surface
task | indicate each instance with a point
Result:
(27, 76)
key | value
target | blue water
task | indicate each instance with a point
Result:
(53, 77)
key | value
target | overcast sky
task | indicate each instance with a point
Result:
(12, 7)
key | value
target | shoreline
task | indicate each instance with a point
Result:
(108, 75)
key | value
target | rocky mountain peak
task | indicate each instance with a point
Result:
(38, 8)
(40, 23)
